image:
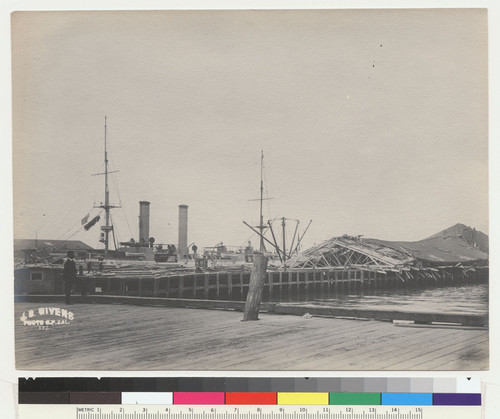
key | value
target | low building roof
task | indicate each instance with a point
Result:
(451, 249)
(50, 245)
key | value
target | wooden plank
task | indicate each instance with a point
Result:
(479, 352)
(305, 339)
(403, 347)
(460, 355)
(431, 352)
(195, 285)
(313, 347)
(465, 319)
(155, 287)
(206, 279)
(146, 301)
(180, 290)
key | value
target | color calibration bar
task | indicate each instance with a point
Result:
(253, 398)
(278, 398)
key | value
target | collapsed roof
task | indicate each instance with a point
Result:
(349, 251)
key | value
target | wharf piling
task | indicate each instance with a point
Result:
(256, 285)
(290, 285)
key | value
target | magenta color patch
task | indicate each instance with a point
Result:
(199, 398)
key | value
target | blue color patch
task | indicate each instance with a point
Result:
(407, 399)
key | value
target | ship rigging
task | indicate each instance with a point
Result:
(261, 229)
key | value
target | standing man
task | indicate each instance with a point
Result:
(69, 275)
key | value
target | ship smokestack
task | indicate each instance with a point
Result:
(183, 231)
(144, 222)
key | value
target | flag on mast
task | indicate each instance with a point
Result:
(91, 223)
(85, 219)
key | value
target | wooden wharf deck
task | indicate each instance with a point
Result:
(366, 312)
(132, 337)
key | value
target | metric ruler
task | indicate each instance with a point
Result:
(44, 411)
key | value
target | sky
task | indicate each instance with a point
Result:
(372, 122)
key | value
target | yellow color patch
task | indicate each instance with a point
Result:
(303, 398)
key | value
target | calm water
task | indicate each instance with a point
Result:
(471, 299)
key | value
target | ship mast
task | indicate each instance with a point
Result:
(282, 254)
(261, 224)
(107, 227)
(261, 227)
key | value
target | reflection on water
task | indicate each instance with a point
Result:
(470, 299)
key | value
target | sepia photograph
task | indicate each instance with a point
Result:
(251, 190)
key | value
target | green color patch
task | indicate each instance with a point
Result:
(355, 398)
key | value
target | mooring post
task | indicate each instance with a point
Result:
(255, 288)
